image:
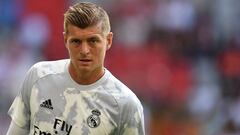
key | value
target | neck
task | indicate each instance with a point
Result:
(86, 77)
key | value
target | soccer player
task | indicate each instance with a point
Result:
(77, 96)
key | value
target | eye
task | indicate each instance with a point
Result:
(93, 40)
(75, 41)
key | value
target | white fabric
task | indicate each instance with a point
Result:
(50, 102)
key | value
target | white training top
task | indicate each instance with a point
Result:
(51, 103)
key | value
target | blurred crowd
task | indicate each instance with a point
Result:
(180, 57)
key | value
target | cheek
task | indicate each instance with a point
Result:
(102, 54)
(72, 52)
(68, 48)
(69, 52)
(98, 55)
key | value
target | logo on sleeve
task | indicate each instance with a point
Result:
(47, 104)
(93, 120)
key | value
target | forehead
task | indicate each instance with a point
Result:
(74, 31)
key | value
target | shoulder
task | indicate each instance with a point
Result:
(45, 68)
(50, 67)
(131, 119)
(123, 95)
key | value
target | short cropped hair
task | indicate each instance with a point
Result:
(85, 14)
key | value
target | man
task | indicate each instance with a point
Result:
(77, 96)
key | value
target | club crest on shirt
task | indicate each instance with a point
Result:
(93, 120)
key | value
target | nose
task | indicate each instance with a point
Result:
(84, 48)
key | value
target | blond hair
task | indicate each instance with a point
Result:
(85, 14)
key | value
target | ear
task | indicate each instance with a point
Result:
(109, 40)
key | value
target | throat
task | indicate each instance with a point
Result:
(86, 78)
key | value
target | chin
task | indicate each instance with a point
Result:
(84, 69)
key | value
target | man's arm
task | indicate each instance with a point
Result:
(132, 118)
(20, 108)
(135, 125)
(14, 129)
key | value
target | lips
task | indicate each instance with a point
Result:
(85, 61)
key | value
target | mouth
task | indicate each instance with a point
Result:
(85, 61)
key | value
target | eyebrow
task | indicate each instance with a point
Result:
(93, 37)
(87, 37)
